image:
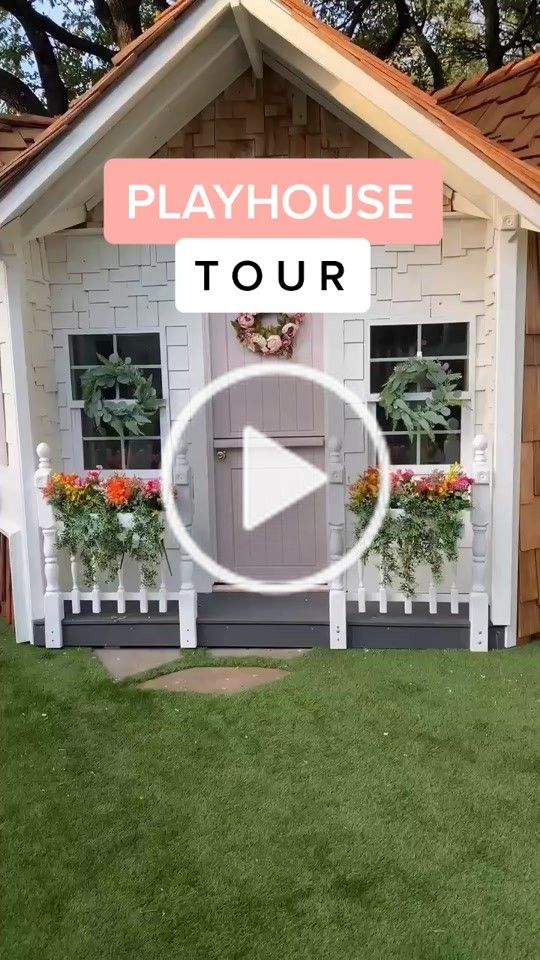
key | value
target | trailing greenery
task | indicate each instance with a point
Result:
(424, 525)
(90, 512)
(421, 415)
(119, 415)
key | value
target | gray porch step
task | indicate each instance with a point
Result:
(231, 619)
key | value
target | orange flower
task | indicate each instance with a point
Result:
(120, 490)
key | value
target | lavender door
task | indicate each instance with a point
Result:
(292, 544)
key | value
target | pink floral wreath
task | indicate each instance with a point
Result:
(275, 341)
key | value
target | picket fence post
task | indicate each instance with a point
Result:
(187, 602)
(337, 600)
(53, 604)
(480, 512)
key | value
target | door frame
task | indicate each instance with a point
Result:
(333, 425)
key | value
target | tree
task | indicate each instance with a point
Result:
(438, 41)
(52, 50)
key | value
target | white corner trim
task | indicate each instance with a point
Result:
(274, 17)
(511, 267)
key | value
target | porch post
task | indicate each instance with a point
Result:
(478, 599)
(511, 267)
(187, 603)
(53, 604)
(337, 600)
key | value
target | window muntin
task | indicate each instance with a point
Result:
(110, 451)
(393, 343)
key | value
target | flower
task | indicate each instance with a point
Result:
(259, 341)
(274, 343)
(120, 490)
(246, 320)
(289, 329)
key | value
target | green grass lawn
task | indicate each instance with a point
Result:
(373, 805)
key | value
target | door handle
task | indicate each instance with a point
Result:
(221, 455)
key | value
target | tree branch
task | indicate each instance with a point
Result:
(19, 96)
(25, 13)
(404, 21)
(126, 20)
(431, 57)
(520, 26)
(494, 48)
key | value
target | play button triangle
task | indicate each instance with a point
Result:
(273, 478)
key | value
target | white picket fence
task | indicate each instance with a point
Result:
(185, 598)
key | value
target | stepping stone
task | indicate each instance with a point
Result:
(129, 662)
(215, 680)
(272, 653)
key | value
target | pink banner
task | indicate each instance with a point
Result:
(382, 201)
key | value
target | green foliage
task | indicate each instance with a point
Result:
(426, 531)
(91, 531)
(421, 415)
(118, 415)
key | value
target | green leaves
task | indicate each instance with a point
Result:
(120, 415)
(421, 416)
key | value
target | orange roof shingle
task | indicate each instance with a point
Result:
(504, 105)
(18, 132)
(439, 109)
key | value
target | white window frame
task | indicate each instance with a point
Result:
(467, 411)
(76, 406)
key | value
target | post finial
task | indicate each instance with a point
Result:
(480, 446)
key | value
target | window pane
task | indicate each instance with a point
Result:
(402, 450)
(127, 391)
(143, 348)
(85, 348)
(102, 453)
(89, 428)
(380, 373)
(396, 340)
(444, 339)
(143, 454)
(446, 448)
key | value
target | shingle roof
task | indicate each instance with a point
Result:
(497, 156)
(504, 105)
(18, 132)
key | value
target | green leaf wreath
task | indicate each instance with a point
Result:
(421, 415)
(121, 415)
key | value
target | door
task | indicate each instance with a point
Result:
(293, 543)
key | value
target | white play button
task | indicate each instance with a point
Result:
(273, 478)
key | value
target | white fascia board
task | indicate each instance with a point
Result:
(112, 106)
(274, 17)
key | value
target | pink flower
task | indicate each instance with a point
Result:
(289, 329)
(274, 343)
(246, 320)
(152, 488)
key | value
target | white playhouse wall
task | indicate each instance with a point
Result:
(77, 282)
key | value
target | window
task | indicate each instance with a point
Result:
(392, 343)
(111, 451)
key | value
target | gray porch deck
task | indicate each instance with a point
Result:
(234, 619)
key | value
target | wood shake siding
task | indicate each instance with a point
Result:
(529, 536)
(266, 118)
